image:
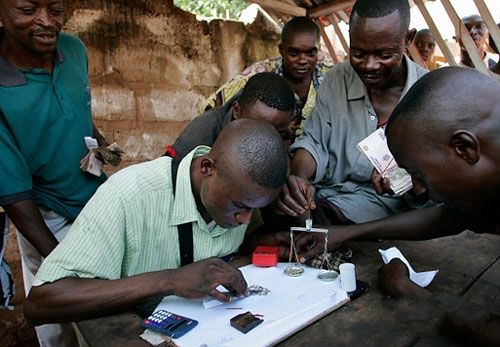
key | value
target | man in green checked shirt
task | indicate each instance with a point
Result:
(128, 244)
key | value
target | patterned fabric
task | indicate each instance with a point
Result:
(228, 90)
(334, 259)
(141, 235)
(7, 287)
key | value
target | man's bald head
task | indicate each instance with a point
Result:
(445, 133)
(251, 147)
(447, 99)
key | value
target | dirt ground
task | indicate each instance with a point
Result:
(14, 329)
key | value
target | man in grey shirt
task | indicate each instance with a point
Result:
(355, 99)
(266, 96)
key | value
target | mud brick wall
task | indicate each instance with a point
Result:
(152, 64)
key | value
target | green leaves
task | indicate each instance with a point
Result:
(229, 9)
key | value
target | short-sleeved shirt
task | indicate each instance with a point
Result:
(275, 65)
(43, 121)
(130, 225)
(204, 129)
(343, 116)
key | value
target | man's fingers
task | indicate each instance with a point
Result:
(386, 185)
(284, 209)
(225, 297)
(313, 251)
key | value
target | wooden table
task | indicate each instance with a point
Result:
(467, 282)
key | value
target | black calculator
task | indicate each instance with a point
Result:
(168, 323)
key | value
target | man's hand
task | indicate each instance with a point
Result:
(394, 280)
(296, 197)
(200, 279)
(310, 244)
(380, 184)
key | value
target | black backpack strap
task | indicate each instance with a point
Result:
(185, 230)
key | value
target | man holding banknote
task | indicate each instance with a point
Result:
(329, 173)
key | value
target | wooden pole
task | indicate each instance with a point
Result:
(339, 33)
(489, 21)
(328, 42)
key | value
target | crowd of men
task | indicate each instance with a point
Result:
(280, 137)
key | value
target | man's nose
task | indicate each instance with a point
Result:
(44, 18)
(244, 216)
(371, 63)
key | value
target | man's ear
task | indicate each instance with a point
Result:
(207, 167)
(236, 110)
(410, 36)
(466, 146)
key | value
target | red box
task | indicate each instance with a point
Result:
(265, 256)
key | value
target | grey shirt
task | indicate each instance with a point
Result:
(343, 115)
(204, 129)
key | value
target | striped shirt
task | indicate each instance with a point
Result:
(129, 226)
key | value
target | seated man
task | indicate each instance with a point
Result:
(479, 33)
(266, 97)
(354, 100)
(451, 150)
(426, 45)
(301, 64)
(125, 246)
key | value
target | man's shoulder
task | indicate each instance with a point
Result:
(341, 74)
(67, 41)
(419, 70)
(142, 178)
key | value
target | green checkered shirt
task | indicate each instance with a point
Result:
(129, 226)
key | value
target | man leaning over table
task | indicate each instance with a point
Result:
(124, 248)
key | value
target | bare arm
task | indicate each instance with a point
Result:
(28, 220)
(73, 299)
(303, 164)
(423, 224)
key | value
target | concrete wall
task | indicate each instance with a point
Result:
(152, 64)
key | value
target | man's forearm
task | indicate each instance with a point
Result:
(420, 224)
(28, 220)
(303, 164)
(74, 299)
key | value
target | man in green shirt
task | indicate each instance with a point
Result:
(128, 245)
(45, 114)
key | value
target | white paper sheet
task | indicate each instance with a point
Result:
(423, 279)
(293, 303)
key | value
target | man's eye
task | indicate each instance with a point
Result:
(28, 10)
(57, 11)
(293, 52)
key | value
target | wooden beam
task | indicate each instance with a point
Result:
(339, 33)
(489, 21)
(465, 37)
(328, 42)
(435, 31)
(281, 7)
(343, 15)
(334, 6)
